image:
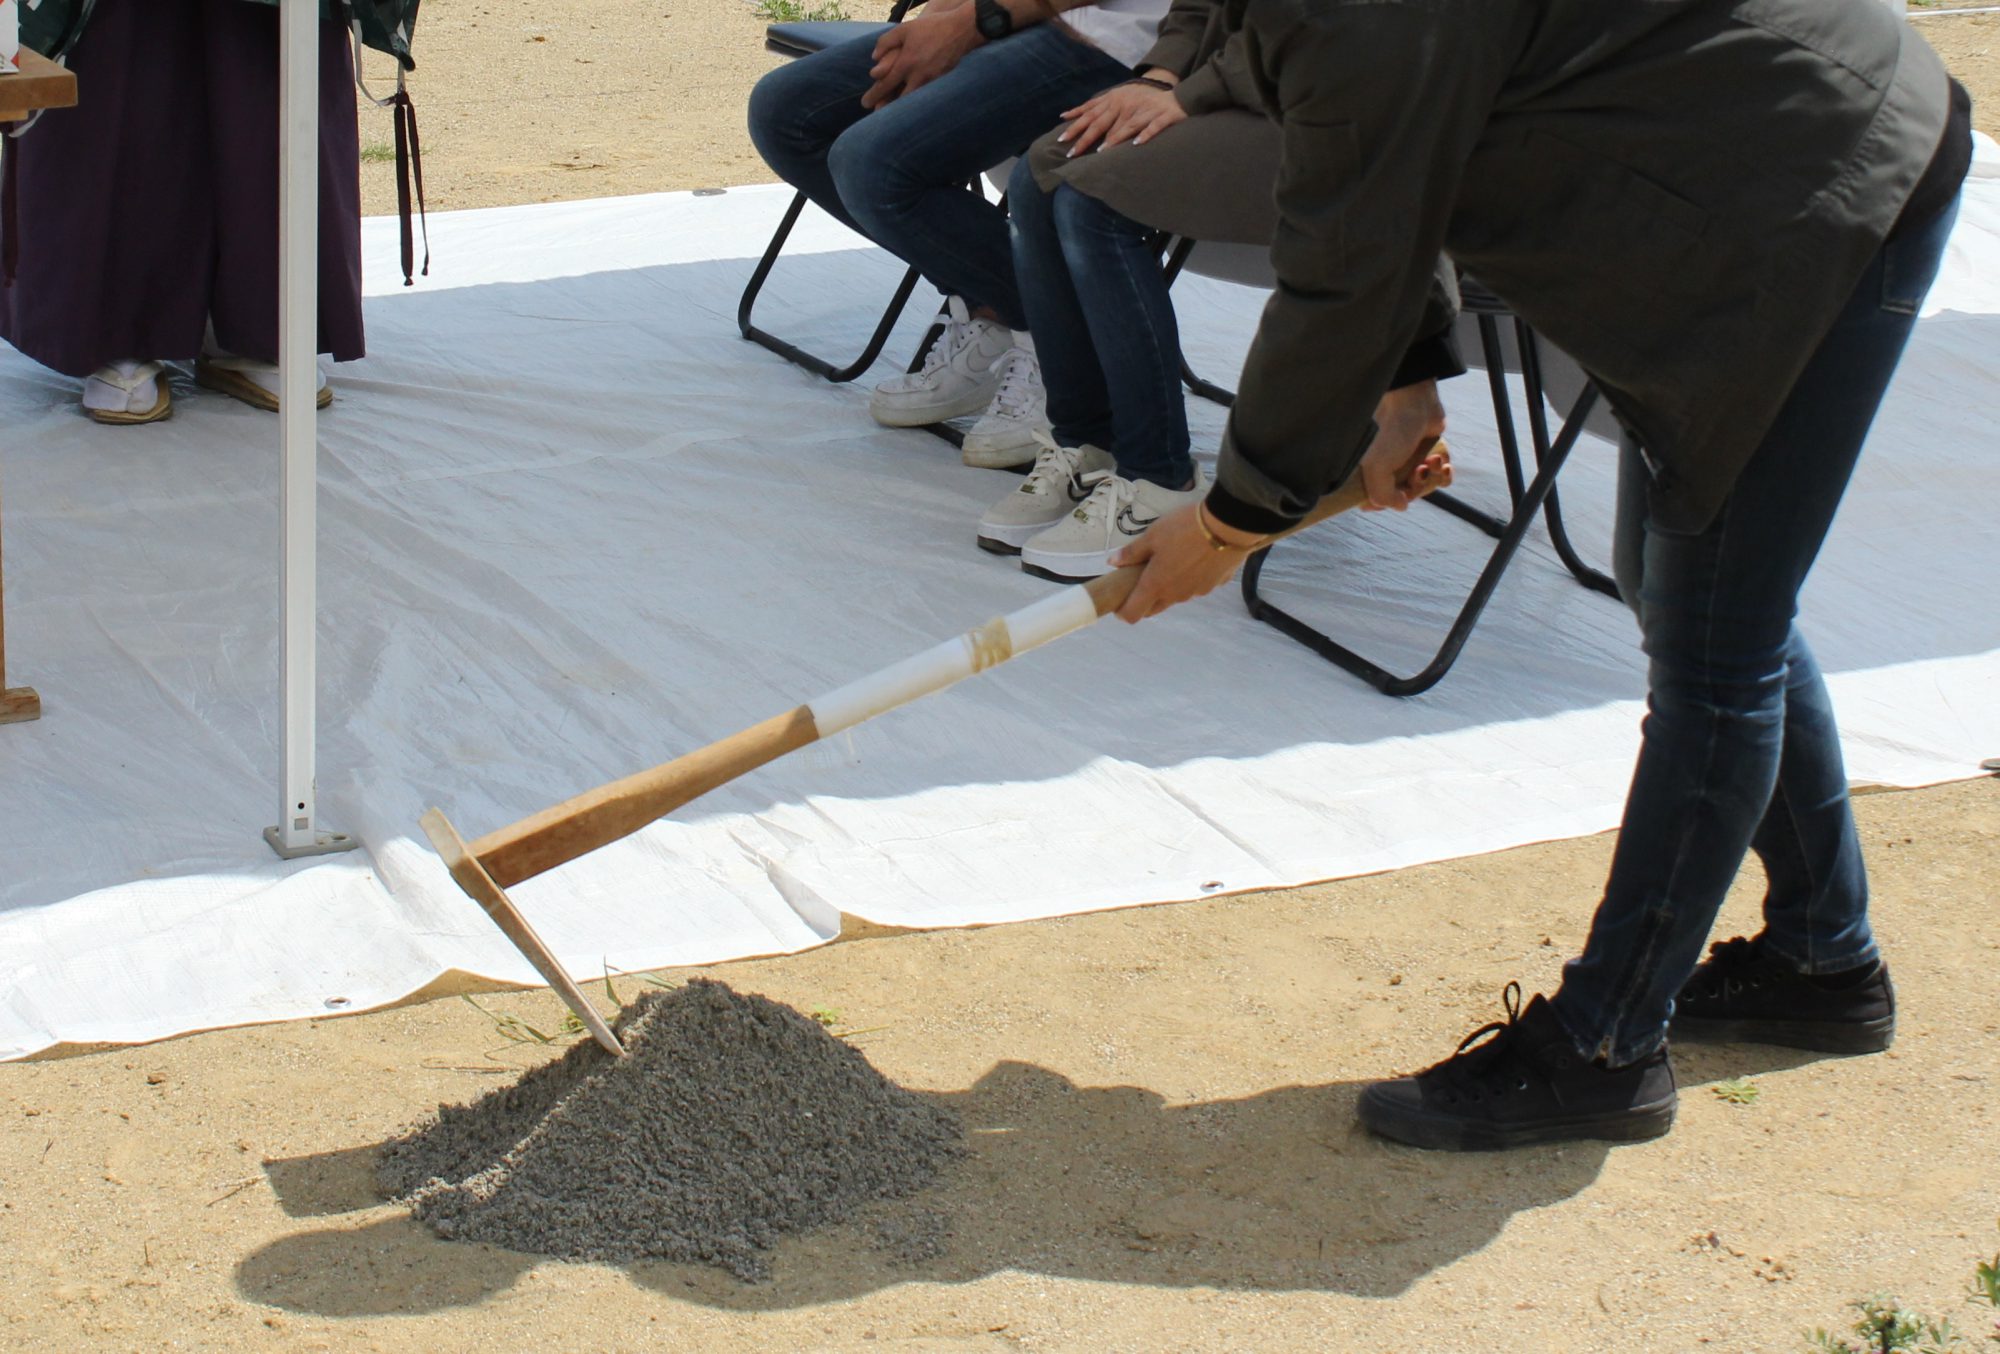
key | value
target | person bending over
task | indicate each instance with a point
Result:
(1183, 147)
(1729, 215)
(885, 133)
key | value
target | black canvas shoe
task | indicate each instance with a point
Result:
(1523, 1084)
(1740, 994)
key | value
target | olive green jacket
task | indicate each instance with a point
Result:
(53, 27)
(1207, 178)
(1679, 193)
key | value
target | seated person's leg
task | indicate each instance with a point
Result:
(902, 172)
(1079, 404)
(1120, 296)
(798, 110)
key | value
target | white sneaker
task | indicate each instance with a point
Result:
(1006, 435)
(960, 375)
(1050, 493)
(1116, 513)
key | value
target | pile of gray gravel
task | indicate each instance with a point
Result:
(730, 1122)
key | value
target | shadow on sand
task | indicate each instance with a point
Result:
(1278, 1191)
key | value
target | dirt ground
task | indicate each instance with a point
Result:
(583, 98)
(1160, 1101)
(1164, 1157)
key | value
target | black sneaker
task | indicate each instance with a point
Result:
(1525, 1084)
(1740, 994)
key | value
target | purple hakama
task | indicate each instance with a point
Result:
(152, 206)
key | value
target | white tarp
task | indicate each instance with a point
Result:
(571, 526)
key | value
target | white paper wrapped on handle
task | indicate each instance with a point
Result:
(10, 35)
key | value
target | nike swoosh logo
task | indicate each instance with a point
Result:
(1131, 525)
(1077, 493)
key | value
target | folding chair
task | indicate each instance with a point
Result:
(1537, 365)
(796, 40)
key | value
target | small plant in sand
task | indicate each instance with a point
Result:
(1738, 1091)
(1884, 1326)
(518, 1031)
(794, 11)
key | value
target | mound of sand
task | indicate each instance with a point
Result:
(731, 1121)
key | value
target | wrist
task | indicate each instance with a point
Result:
(972, 32)
(996, 19)
(1244, 516)
(1223, 537)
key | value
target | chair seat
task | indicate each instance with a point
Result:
(816, 35)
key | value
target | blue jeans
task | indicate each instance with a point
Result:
(1740, 749)
(1104, 329)
(898, 175)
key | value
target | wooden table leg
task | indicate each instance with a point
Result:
(17, 704)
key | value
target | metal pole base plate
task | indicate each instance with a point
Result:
(323, 844)
(19, 704)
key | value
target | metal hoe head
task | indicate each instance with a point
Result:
(471, 875)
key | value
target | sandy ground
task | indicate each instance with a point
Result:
(1160, 1105)
(1160, 1100)
(583, 98)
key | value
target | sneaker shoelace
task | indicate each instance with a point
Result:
(1020, 394)
(1054, 469)
(958, 331)
(1110, 493)
(1733, 966)
(1485, 1062)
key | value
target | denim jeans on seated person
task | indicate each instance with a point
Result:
(1104, 329)
(898, 175)
(1740, 748)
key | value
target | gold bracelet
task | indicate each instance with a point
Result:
(1215, 542)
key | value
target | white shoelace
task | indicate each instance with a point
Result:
(1054, 468)
(1020, 394)
(958, 331)
(1110, 494)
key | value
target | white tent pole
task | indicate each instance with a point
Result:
(297, 832)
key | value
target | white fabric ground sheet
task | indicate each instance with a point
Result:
(572, 526)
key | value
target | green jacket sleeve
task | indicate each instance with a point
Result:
(1179, 44)
(1373, 149)
(1197, 44)
(1220, 82)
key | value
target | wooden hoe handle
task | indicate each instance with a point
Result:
(601, 816)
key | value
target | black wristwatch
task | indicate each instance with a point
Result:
(993, 19)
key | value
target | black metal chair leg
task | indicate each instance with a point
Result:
(1379, 677)
(791, 352)
(1510, 448)
(1531, 376)
(1176, 253)
(1205, 388)
(1503, 415)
